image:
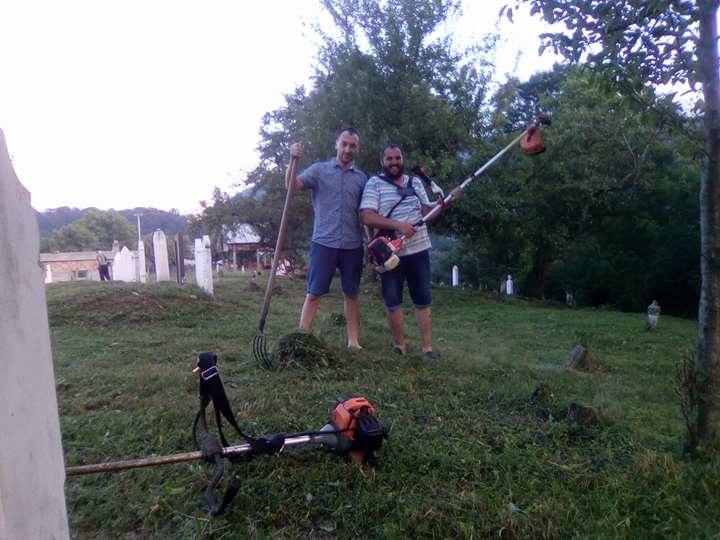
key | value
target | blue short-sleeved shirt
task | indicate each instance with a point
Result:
(336, 198)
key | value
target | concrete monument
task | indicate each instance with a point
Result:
(162, 267)
(653, 314)
(32, 471)
(203, 264)
(124, 266)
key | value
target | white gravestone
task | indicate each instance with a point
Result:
(653, 314)
(32, 471)
(203, 264)
(48, 274)
(455, 276)
(509, 289)
(124, 266)
(162, 267)
(140, 261)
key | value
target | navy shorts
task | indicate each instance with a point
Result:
(323, 262)
(415, 269)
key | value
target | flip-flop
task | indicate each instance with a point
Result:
(398, 350)
(431, 355)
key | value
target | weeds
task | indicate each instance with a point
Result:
(469, 455)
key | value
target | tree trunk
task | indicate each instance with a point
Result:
(708, 312)
(539, 272)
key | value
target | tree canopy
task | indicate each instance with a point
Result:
(97, 230)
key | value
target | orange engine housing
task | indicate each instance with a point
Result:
(344, 415)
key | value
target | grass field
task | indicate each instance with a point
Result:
(469, 455)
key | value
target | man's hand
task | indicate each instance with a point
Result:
(296, 150)
(456, 193)
(405, 228)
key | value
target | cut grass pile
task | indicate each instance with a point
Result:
(473, 452)
(300, 349)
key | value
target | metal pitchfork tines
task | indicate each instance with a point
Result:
(259, 345)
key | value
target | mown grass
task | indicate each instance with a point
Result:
(468, 456)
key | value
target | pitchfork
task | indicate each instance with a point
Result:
(259, 343)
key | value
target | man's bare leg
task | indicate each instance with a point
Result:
(396, 320)
(309, 309)
(423, 317)
(352, 321)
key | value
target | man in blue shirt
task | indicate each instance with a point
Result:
(337, 240)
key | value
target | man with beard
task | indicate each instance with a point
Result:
(336, 187)
(392, 202)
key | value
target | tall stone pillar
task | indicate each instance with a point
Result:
(180, 258)
(162, 267)
(141, 269)
(32, 470)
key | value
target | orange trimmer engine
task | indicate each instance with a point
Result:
(355, 419)
(382, 253)
(531, 143)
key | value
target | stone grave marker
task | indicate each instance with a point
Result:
(124, 266)
(203, 264)
(162, 266)
(32, 469)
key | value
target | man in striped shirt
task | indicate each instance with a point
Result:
(392, 202)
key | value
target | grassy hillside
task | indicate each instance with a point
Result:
(469, 455)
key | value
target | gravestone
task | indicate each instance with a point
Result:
(48, 274)
(162, 267)
(124, 266)
(203, 264)
(509, 287)
(180, 260)
(140, 261)
(653, 314)
(32, 471)
(455, 276)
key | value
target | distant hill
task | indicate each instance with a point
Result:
(171, 222)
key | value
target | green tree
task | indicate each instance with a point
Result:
(97, 230)
(662, 41)
(392, 79)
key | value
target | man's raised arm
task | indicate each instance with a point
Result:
(296, 150)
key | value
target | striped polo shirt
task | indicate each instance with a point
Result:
(381, 196)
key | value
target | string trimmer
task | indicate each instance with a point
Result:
(383, 250)
(353, 430)
(259, 345)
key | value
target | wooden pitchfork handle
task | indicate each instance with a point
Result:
(289, 180)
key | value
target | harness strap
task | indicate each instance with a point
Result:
(399, 188)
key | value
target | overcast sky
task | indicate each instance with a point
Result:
(117, 104)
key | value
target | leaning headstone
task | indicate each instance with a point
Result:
(124, 268)
(203, 264)
(32, 469)
(580, 359)
(653, 314)
(162, 267)
(455, 276)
